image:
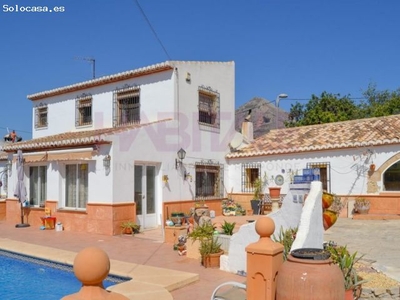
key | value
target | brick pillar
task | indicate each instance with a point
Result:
(264, 258)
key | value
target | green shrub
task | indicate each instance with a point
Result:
(286, 238)
(345, 261)
(228, 227)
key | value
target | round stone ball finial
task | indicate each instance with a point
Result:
(265, 227)
(91, 266)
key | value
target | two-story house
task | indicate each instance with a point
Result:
(130, 146)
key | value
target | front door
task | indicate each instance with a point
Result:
(145, 196)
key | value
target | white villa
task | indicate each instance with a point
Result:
(106, 150)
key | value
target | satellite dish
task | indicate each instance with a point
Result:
(237, 140)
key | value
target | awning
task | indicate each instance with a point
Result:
(35, 158)
(79, 155)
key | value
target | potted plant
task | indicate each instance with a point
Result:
(177, 217)
(286, 238)
(130, 227)
(274, 191)
(346, 261)
(210, 249)
(228, 227)
(372, 167)
(258, 186)
(231, 208)
(361, 205)
(225, 237)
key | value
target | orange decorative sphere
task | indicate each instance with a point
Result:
(265, 226)
(91, 266)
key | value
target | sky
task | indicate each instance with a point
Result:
(299, 48)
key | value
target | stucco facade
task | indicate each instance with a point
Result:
(354, 155)
(169, 120)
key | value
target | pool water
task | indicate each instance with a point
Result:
(28, 278)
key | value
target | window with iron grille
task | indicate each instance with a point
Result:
(208, 180)
(126, 106)
(83, 114)
(41, 116)
(208, 107)
(324, 174)
(250, 173)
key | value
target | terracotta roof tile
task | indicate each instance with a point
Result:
(338, 135)
(72, 139)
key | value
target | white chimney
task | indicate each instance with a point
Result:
(247, 131)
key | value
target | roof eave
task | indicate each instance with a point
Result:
(101, 81)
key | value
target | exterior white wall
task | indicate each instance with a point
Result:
(349, 167)
(99, 189)
(156, 96)
(164, 95)
(198, 142)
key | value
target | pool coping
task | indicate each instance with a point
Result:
(151, 283)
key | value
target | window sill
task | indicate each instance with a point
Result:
(84, 126)
(72, 210)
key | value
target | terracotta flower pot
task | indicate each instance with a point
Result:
(372, 167)
(128, 230)
(348, 295)
(329, 218)
(274, 192)
(212, 260)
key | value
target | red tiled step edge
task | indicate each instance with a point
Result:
(375, 217)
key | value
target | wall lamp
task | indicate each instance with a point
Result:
(181, 156)
(107, 161)
(187, 176)
(165, 178)
(9, 167)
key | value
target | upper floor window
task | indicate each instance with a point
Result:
(391, 178)
(208, 180)
(41, 116)
(324, 174)
(208, 107)
(83, 114)
(250, 173)
(126, 106)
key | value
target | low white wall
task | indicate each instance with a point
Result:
(307, 218)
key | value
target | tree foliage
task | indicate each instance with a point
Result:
(329, 107)
(380, 103)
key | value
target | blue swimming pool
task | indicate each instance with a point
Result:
(29, 278)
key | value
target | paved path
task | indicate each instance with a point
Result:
(378, 240)
(145, 249)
